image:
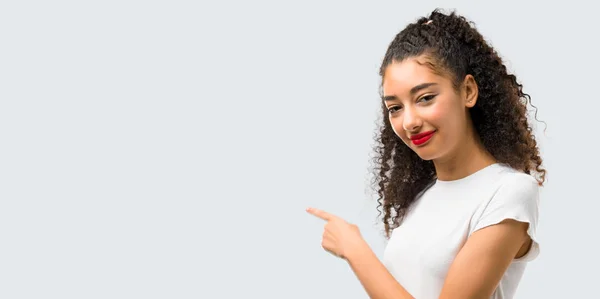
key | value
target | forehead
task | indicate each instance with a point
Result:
(400, 77)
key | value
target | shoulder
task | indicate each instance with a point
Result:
(515, 196)
(513, 183)
(502, 182)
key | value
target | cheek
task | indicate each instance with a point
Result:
(436, 116)
(445, 116)
(450, 121)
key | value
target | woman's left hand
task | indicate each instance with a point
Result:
(340, 238)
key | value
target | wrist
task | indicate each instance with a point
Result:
(360, 249)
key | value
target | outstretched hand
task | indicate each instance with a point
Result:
(340, 238)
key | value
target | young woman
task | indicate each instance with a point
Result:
(458, 171)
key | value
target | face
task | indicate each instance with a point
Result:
(424, 108)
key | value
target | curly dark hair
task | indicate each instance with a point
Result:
(499, 115)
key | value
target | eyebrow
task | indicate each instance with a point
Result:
(412, 91)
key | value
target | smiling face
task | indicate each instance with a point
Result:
(425, 110)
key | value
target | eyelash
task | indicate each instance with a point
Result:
(427, 97)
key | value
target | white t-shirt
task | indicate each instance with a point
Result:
(421, 250)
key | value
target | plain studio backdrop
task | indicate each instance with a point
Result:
(168, 149)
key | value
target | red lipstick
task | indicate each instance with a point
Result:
(421, 138)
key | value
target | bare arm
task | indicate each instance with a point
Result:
(480, 264)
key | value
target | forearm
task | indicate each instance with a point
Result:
(374, 277)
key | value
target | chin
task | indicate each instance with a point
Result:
(426, 154)
(430, 150)
(426, 157)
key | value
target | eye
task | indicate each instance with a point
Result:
(393, 109)
(427, 98)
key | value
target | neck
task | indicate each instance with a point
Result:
(471, 157)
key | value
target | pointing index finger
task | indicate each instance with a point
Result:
(320, 214)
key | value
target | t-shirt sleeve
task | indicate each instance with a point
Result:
(517, 198)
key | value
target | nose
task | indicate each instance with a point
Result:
(412, 121)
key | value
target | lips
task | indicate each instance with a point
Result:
(419, 139)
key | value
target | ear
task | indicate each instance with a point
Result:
(470, 91)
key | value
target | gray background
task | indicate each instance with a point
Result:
(168, 149)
